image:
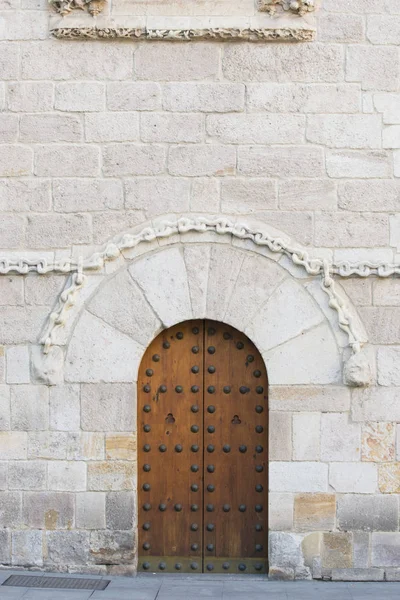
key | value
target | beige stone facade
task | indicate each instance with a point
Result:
(223, 175)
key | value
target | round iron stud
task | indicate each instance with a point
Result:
(242, 448)
(146, 468)
(178, 448)
(210, 527)
(194, 408)
(226, 508)
(178, 566)
(259, 409)
(162, 507)
(240, 345)
(259, 468)
(195, 389)
(226, 566)
(178, 507)
(211, 370)
(179, 335)
(146, 506)
(242, 567)
(147, 447)
(149, 372)
(211, 389)
(210, 488)
(227, 336)
(146, 526)
(195, 330)
(194, 547)
(242, 508)
(210, 567)
(195, 349)
(243, 389)
(210, 507)
(194, 468)
(210, 448)
(257, 373)
(211, 409)
(179, 389)
(194, 429)
(259, 488)
(194, 487)
(211, 429)
(258, 508)
(259, 547)
(162, 389)
(259, 429)
(147, 428)
(210, 547)
(194, 566)
(211, 349)
(210, 468)
(162, 566)
(162, 448)
(194, 508)
(211, 331)
(259, 449)
(194, 448)
(259, 527)
(146, 408)
(166, 345)
(259, 389)
(227, 389)
(156, 358)
(250, 358)
(146, 487)
(146, 566)
(258, 567)
(226, 448)
(194, 527)
(195, 369)
(146, 546)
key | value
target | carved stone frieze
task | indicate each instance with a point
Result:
(221, 34)
(298, 7)
(64, 7)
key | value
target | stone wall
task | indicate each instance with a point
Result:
(98, 138)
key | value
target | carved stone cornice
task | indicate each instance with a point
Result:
(298, 7)
(220, 34)
(64, 7)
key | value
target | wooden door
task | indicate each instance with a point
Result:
(202, 452)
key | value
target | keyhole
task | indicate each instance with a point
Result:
(236, 420)
(170, 418)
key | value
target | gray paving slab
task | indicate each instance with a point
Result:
(38, 594)
(12, 593)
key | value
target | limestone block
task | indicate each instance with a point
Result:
(121, 304)
(120, 510)
(9, 128)
(248, 62)
(337, 551)
(67, 476)
(205, 195)
(296, 161)
(47, 368)
(155, 195)
(376, 404)
(360, 478)
(74, 195)
(5, 415)
(397, 442)
(361, 549)
(80, 61)
(111, 476)
(316, 359)
(280, 436)
(337, 229)
(9, 61)
(345, 131)
(112, 547)
(108, 406)
(162, 278)
(386, 295)
(48, 510)
(382, 324)
(280, 512)
(288, 312)
(27, 475)
(203, 97)
(89, 362)
(65, 408)
(391, 137)
(5, 547)
(313, 512)
(29, 407)
(362, 512)
(378, 195)
(309, 398)
(225, 265)
(44, 128)
(171, 128)
(340, 438)
(306, 436)
(4, 475)
(392, 574)
(244, 196)
(10, 509)
(383, 29)
(176, 62)
(21, 325)
(358, 574)
(298, 477)
(133, 159)
(82, 96)
(109, 223)
(85, 446)
(2, 374)
(385, 550)
(13, 444)
(388, 359)
(376, 68)
(202, 160)
(389, 106)
(58, 230)
(121, 446)
(133, 95)
(389, 478)
(47, 445)
(285, 550)
(15, 160)
(341, 28)
(30, 96)
(112, 127)
(66, 160)
(358, 164)
(378, 442)
(18, 364)
(90, 510)
(27, 548)
(256, 128)
(11, 291)
(67, 548)
(261, 276)
(307, 194)
(197, 278)
(42, 290)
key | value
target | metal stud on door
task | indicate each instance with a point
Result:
(202, 406)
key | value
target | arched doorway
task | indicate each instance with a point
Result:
(203, 452)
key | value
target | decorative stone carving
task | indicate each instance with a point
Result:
(298, 7)
(47, 368)
(359, 370)
(64, 7)
(225, 34)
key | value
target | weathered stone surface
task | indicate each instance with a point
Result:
(27, 548)
(67, 547)
(256, 128)
(90, 510)
(280, 438)
(121, 446)
(120, 510)
(361, 478)
(358, 574)
(375, 404)
(30, 96)
(74, 195)
(29, 407)
(345, 131)
(205, 194)
(376, 68)
(48, 510)
(306, 436)
(82, 96)
(5, 412)
(67, 476)
(162, 277)
(63, 161)
(356, 163)
(378, 442)
(45, 128)
(382, 324)
(197, 278)
(112, 547)
(280, 513)
(309, 398)
(298, 477)
(285, 550)
(337, 551)
(10, 509)
(313, 512)
(108, 407)
(202, 160)
(244, 196)
(47, 444)
(340, 439)
(361, 512)
(203, 97)
(133, 159)
(389, 478)
(112, 127)
(27, 475)
(89, 362)
(5, 547)
(359, 370)
(225, 265)
(11, 292)
(157, 195)
(388, 362)
(122, 304)
(58, 230)
(386, 292)
(299, 161)
(176, 62)
(385, 550)
(361, 549)
(111, 476)
(65, 408)
(85, 446)
(42, 290)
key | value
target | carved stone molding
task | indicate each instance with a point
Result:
(220, 34)
(64, 7)
(298, 7)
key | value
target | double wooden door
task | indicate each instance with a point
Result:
(202, 452)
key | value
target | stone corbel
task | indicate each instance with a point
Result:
(297, 7)
(64, 7)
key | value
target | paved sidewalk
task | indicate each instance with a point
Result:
(171, 587)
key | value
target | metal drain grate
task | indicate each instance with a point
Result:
(67, 583)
